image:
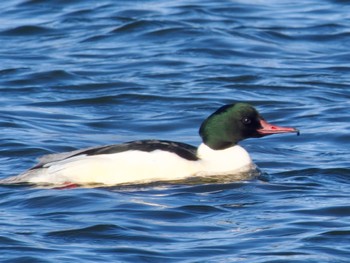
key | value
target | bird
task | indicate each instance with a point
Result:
(146, 161)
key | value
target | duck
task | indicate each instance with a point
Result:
(147, 161)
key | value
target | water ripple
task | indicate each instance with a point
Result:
(82, 73)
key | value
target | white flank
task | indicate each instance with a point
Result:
(137, 167)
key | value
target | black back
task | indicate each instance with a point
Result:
(182, 149)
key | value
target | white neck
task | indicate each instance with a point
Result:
(226, 161)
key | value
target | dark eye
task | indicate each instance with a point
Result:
(246, 121)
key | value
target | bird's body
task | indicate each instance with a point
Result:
(153, 160)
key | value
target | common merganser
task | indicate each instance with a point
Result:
(157, 160)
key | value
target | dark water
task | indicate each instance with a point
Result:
(82, 73)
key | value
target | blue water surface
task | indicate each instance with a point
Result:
(79, 73)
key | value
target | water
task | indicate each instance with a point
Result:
(76, 74)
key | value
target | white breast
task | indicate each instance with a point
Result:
(231, 160)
